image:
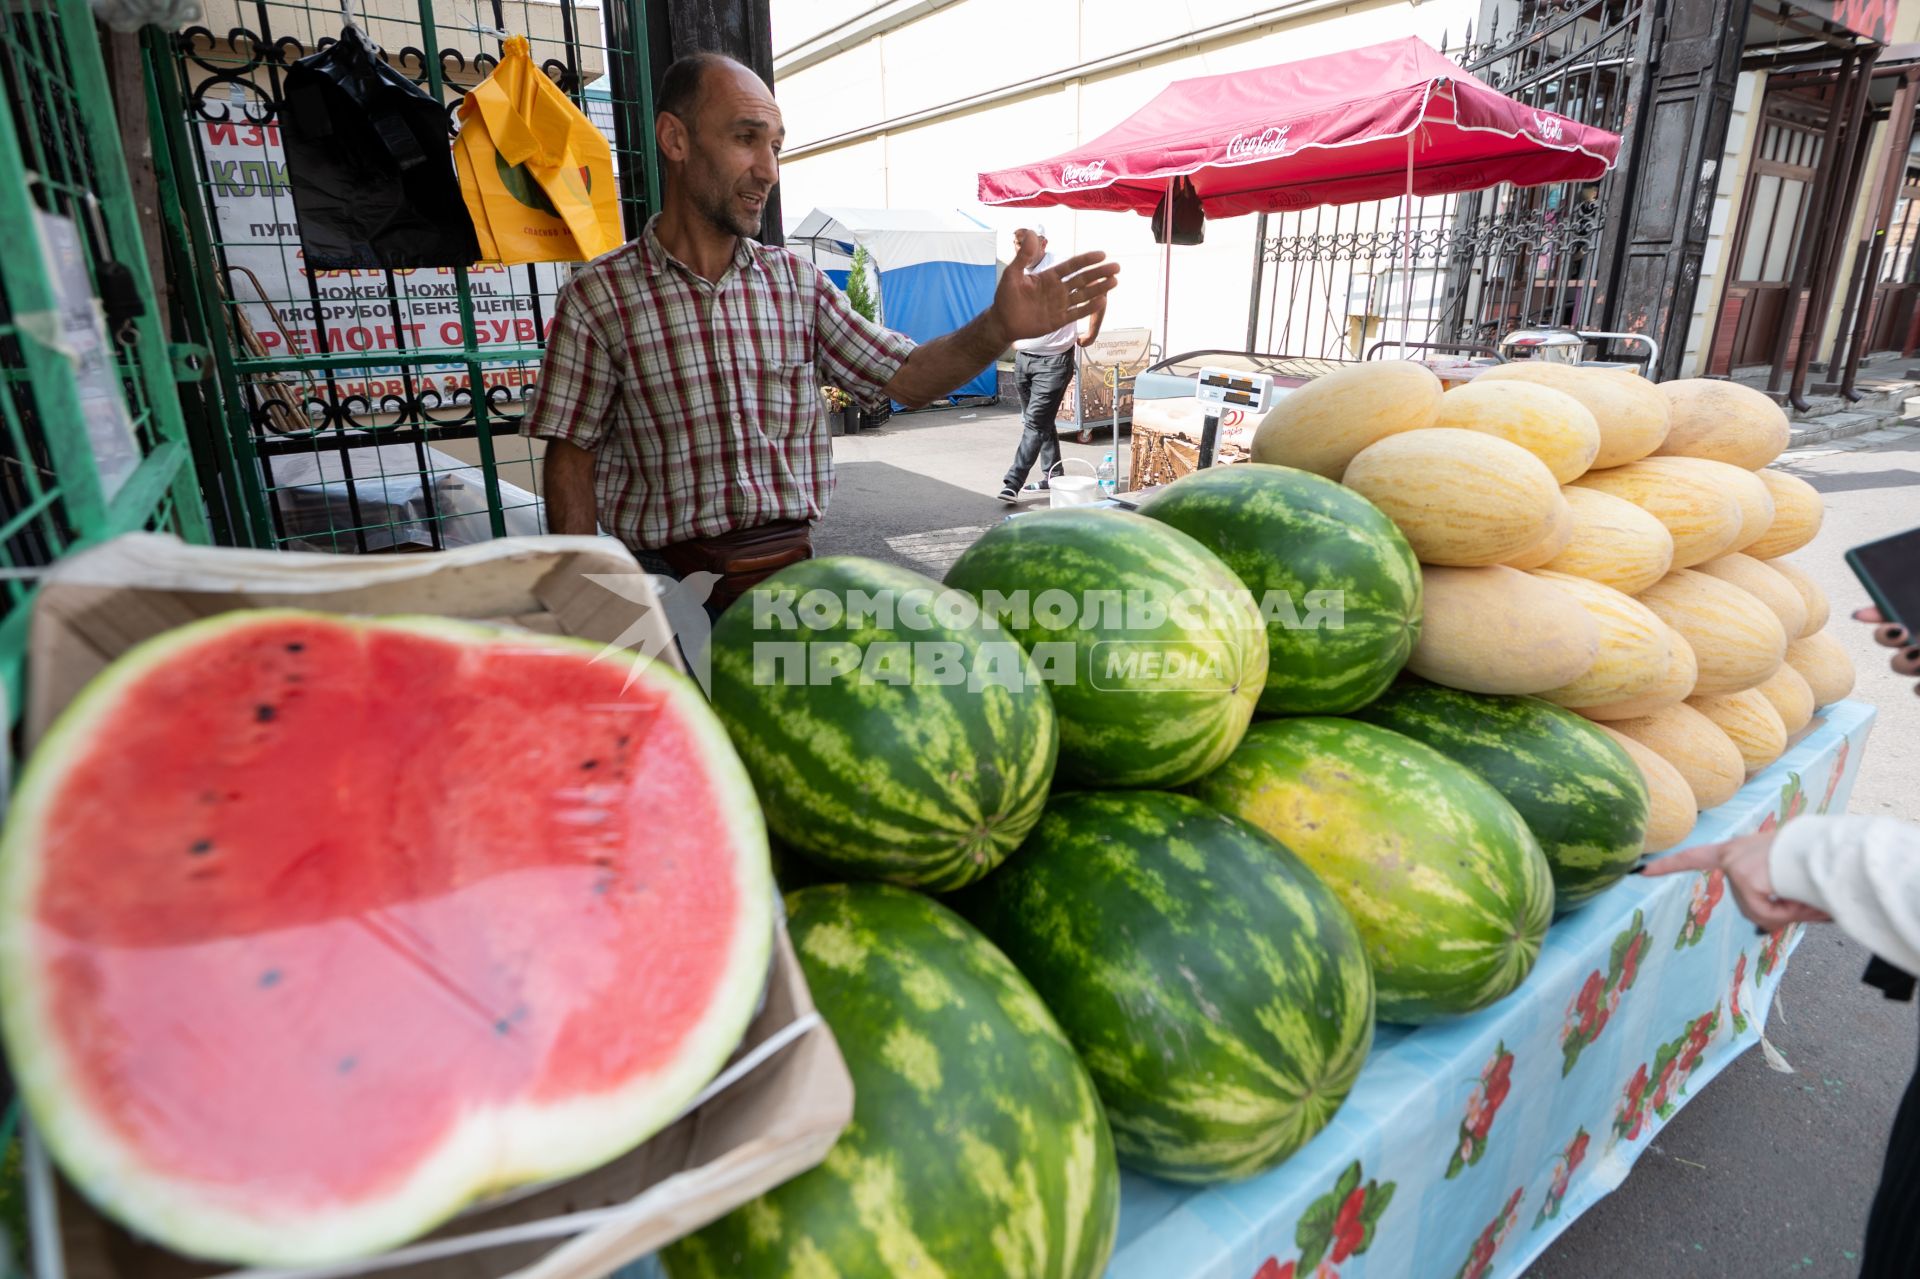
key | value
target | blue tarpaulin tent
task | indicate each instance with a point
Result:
(936, 267)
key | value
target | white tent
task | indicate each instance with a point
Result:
(933, 269)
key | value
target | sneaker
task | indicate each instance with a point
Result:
(1035, 486)
(1008, 496)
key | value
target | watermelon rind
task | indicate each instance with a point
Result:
(978, 1146)
(494, 1149)
(1337, 584)
(920, 782)
(1574, 786)
(1216, 989)
(1162, 653)
(1448, 887)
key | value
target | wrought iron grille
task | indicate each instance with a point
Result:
(378, 409)
(1483, 263)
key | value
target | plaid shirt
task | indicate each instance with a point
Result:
(701, 401)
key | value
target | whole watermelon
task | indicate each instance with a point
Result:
(1337, 584)
(1216, 990)
(1446, 884)
(1153, 649)
(870, 756)
(1574, 786)
(978, 1145)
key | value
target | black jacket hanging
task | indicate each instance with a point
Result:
(370, 162)
(1189, 220)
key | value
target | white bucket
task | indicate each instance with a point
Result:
(1073, 490)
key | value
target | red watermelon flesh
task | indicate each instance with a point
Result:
(314, 929)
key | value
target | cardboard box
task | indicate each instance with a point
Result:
(774, 1113)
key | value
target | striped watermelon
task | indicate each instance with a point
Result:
(1448, 887)
(918, 781)
(1337, 584)
(978, 1145)
(1153, 649)
(1578, 792)
(1214, 987)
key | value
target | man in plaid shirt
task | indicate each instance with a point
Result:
(680, 394)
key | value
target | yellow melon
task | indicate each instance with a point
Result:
(1824, 664)
(1690, 741)
(1630, 411)
(1750, 723)
(1634, 654)
(1498, 630)
(1797, 512)
(1559, 533)
(1320, 426)
(1791, 696)
(1462, 498)
(1703, 517)
(1737, 641)
(1810, 593)
(1614, 542)
(1756, 503)
(1670, 809)
(1723, 421)
(1682, 673)
(1550, 424)
(1766, 584)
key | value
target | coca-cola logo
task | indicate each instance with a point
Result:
(1080, 175)
(1548, 125)
(1270, 142)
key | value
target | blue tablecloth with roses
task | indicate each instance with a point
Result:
(1466, 1147)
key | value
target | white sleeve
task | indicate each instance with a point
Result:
(1863, 871)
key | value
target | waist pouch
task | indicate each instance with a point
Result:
(742, 558)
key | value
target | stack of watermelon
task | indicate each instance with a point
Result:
(1227, 871)
(1600, 542)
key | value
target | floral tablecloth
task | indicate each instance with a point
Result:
(1466, 1147)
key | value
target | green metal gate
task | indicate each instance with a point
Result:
(369, 410)
(91, 436)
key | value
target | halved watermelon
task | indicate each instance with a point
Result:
(315, 929)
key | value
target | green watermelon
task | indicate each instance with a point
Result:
(1448, 887)
(1216, 990)
(1337, 584)
(1583, 798)
(977, 1146)
(1153, 649)
(314, 929)
(870, 758)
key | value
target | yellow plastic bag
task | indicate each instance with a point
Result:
(536, 174)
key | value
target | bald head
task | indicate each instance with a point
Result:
(720, 133)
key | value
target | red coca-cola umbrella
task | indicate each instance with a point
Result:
(1389, 119)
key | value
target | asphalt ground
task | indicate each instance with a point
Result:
(1762, 1173)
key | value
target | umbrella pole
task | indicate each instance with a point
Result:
(1166, 271)
(1406, 256)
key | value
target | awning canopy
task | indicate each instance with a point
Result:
(1326, 130)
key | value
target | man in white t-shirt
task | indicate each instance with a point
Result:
(1042, 367)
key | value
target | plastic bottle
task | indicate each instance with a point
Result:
(1108, 475)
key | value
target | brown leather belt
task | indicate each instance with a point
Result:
(742, 558)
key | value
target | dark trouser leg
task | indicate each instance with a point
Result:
(1042, 380)
(1893, 1228)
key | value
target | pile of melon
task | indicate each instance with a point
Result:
(1606, 543)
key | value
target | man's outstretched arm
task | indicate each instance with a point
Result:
(1024, 306)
